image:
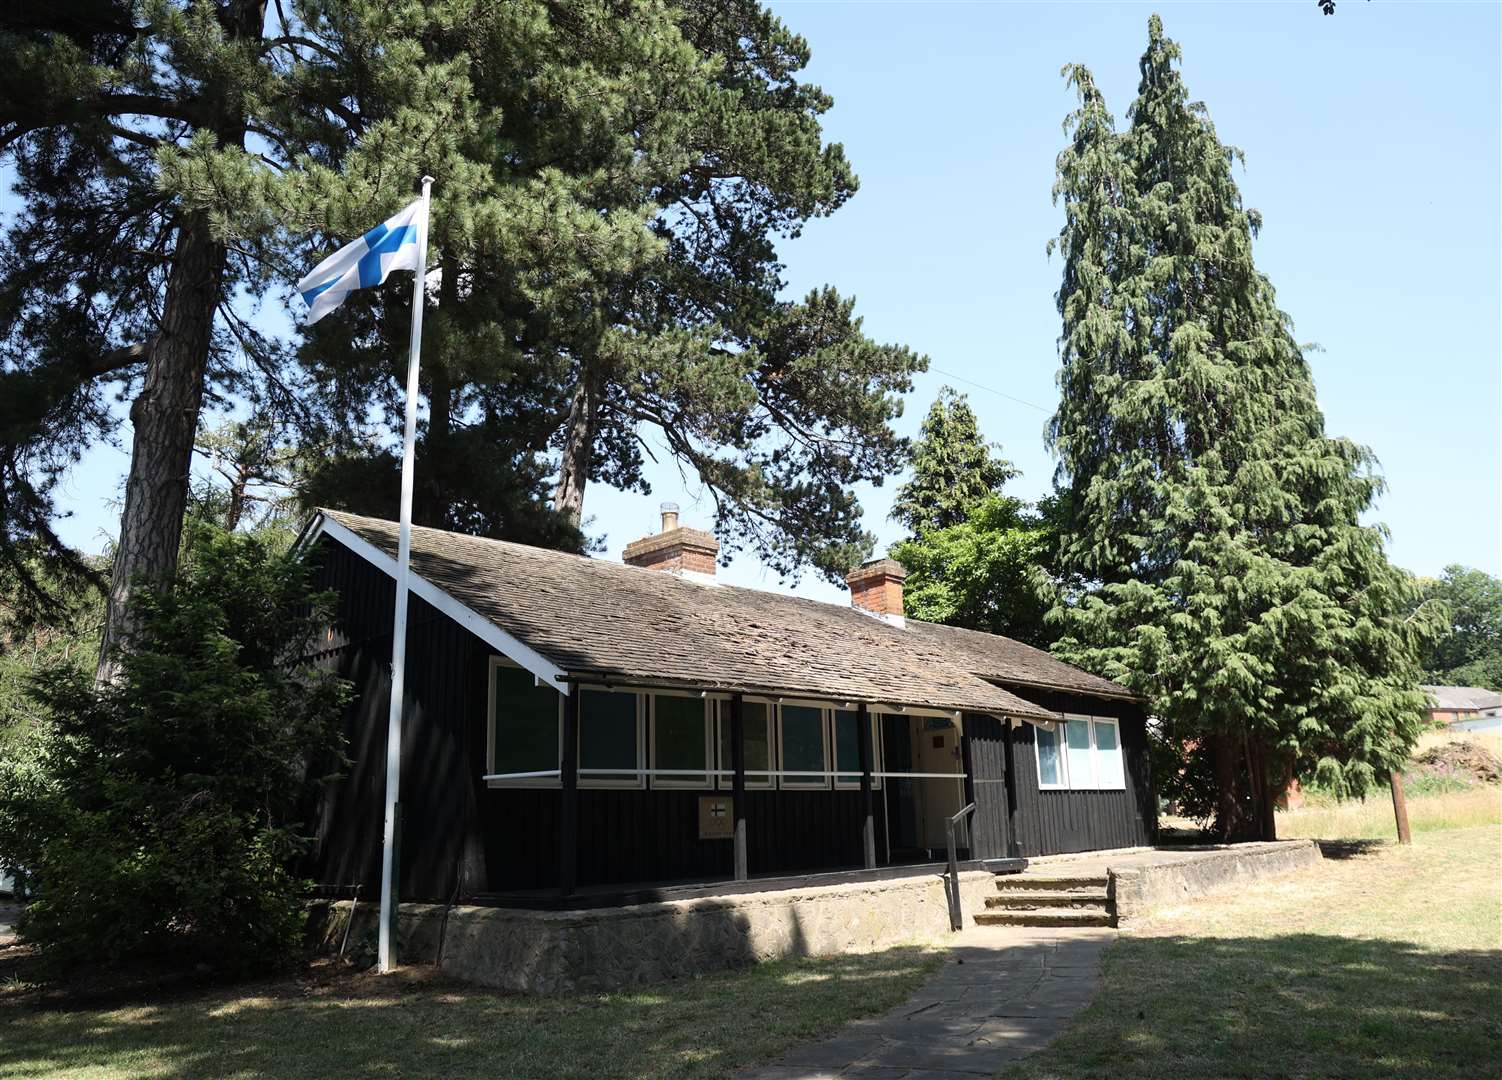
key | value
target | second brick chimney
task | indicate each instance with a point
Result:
(876, 587)
(679, 550)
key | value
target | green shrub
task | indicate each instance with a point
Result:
(163, 814)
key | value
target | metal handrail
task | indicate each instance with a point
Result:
(951, 824)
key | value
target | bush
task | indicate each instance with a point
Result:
(163, 813)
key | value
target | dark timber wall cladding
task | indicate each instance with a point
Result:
(1054, 822)
(461, 837)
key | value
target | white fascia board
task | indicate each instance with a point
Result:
(543, 669)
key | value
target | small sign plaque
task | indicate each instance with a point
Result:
(716, 819)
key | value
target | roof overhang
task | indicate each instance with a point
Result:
(506, 644)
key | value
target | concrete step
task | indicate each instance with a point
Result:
(1020, 882)
(1063, 917)
(1036, 898)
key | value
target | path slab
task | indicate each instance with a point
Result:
(1003, 993)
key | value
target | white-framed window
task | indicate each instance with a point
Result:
(844, 726)
(523, 725)
(610, 737)
(803, 745)
(756, 719)
(1080, 753)
(681, 740)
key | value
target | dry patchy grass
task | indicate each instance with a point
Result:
(1384, 962)
(1372, 818)
(413, 1024)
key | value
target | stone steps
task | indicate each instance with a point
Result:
(1044, 918)
(1052, 900)
(1036, 898)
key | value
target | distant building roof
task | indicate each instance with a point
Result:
(1462, 697)
(598, 619)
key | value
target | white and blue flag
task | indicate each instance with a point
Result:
(391, 245)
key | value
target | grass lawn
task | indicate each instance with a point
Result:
(1385, 962)
(413, 1024)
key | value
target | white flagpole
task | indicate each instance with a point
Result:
(387, 954)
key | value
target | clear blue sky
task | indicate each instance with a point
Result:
(1374, 150)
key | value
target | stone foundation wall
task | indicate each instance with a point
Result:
(1137, 890)
(551, 952)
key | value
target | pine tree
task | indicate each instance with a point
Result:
(1215, 525)
(610, 286)
(953, 468)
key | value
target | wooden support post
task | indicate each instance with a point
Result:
(738, 784)
(1014, 841)
(1400, 807)
(568, 810)
(967, 786)
(868, 804)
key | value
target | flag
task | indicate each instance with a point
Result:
(391, 245)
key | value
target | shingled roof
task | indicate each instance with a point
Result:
(594, 618)
(1004, 660)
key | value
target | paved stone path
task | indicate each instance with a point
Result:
(1003, 993)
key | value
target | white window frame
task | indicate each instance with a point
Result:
(804, 783)
(877, 758)
(722, 720)
(1067, 780)
(1095, 751)
(693, 782)
(528, 782)
(628, 782)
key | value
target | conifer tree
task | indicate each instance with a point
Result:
(1216, 526)
(953, 468)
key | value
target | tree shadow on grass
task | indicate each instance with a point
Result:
(418, 1023)
(1294, 1005)
(1350, 849)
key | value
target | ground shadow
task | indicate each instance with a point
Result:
(1349, 849)
(1292, 1005)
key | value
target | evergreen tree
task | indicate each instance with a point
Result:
(953, 468)
(610, 287)
(1215, 525)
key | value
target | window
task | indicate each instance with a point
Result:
(847, 748)
(1083, 753)
(1050, 766)
(756, 719)
(680, 740)
(1109, 772)
(1079, 765)
(803, 745)
(523, 725)
(609, 738)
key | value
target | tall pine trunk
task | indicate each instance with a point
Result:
(578, 446)
(165, 419)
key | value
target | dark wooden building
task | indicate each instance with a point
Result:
(584, 729)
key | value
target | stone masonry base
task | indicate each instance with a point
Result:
(552, 952)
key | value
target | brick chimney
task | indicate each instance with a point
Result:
(876, 588)
(678, 550)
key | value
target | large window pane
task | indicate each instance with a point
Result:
(526, 723)
(1081, 769)
(1050, 772)
(754, 719)
(679, 739)
(607, 734)
(803, 745)
(1108, 766)
(847, 747)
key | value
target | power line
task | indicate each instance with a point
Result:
(990, 389)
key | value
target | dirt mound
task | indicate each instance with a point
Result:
(1467, 761)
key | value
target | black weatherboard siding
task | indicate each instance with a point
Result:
(461, 837)
(1056, 822)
